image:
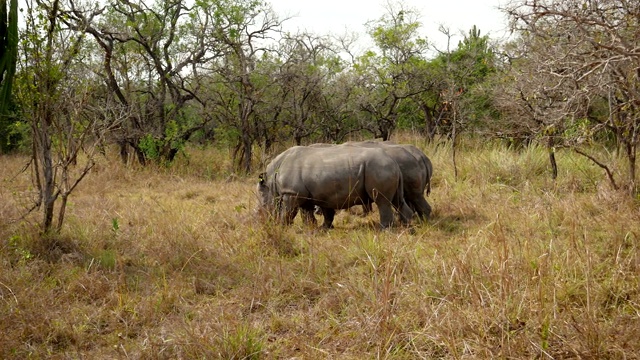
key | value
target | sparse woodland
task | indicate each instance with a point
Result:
(132, 134)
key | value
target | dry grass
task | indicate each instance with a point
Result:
(173, 263)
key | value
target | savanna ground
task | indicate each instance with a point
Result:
(164, 263)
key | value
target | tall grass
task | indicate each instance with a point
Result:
(172, 262)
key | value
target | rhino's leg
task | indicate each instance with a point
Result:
(421, 207)
(308, 216)
(328, 214)
(289, 209)
(406, 214)
(401, 206)
(367, 207)
(288, 216)
(386, 213)
(385, 207)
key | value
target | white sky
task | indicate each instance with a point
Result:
(339, 16)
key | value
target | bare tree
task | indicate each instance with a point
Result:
(461, 72)
(532, 106)
(338, 108)
(309, 63)
(55, 92)
(242, 36)
(589, 52)
(155, 59)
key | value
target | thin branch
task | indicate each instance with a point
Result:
(600, 164)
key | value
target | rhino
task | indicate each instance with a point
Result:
(332, 178)
(416, 171)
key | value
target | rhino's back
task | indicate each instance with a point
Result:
(413, 169)
(337, 176)
(422, 157)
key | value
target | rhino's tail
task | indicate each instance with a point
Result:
(429, 166)
(399, 202)
(398, 199)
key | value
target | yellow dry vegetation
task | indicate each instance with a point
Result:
(172, 262)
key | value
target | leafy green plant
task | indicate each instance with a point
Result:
(115, 225)
(241, 342)
(8, 51)
(150, 147)
(15, 243)
(107, 259)
(8, 59)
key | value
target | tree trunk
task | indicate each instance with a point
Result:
(142, 158)
(429, 123)
(453, 143)
(124, 152)
(385, 133)
(297, 136)
(247, 154)
(9, 54)
(63, 208)
(631, 157)
(245, 139)
(234, 155)
(552, 158)
(267, 144)
(48, 198)
(171, 155)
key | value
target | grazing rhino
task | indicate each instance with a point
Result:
(331, 178)
(416, 171)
